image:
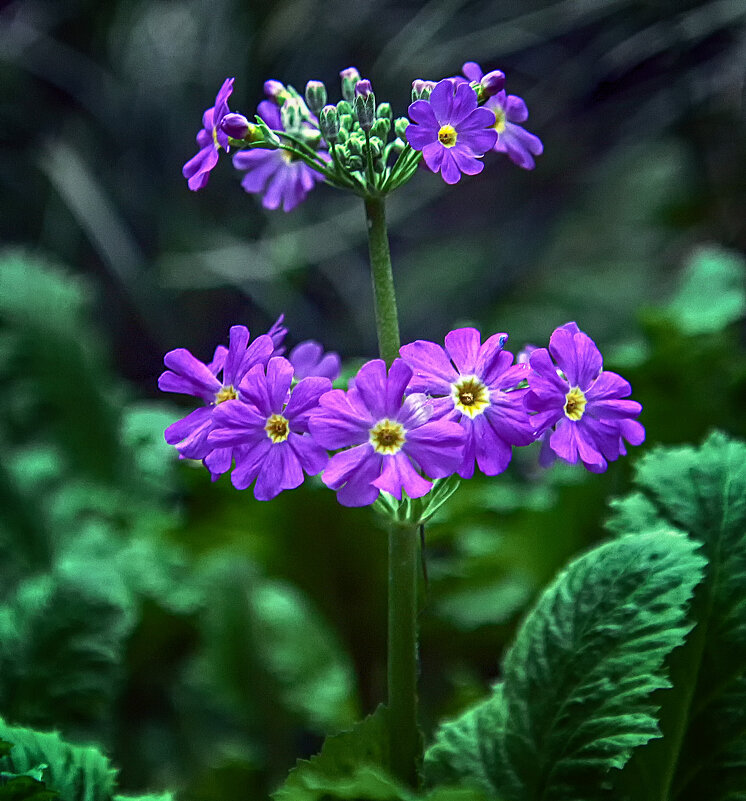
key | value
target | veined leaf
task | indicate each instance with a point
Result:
(701, 491)
(575, 700)
(77, 773)
(356, 759)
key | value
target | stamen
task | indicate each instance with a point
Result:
(226, 393)
(499, 124)
(277, 428)
(575, 401)
(387, 437)
(470, 395)
(447, 136)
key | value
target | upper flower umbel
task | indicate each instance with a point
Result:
(210, 139)
(582, 405)
(451, 131)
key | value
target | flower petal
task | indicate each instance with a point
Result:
(463, 345)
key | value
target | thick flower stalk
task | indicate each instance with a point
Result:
(581, 409)
(476, 385)
(389, 440)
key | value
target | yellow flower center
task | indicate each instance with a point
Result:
(447, 136)
(499, 124)
(215, 137)
(387, 437)
(575, 404)
(277, 428)
(226, 393)
(470, 395)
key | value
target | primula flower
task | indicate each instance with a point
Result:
(269, 432)
(388, 437)
(276, 174)
(188, 375)
(451, 131)
(579, 406)
(509, 110)
(474, 384)
(210, 139)
(308, 358)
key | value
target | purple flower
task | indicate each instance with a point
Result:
(276, 174)
(580, 402)
(474, 384)
(452, 133)
(277, 333)
(308, 358)
(188, 375)
(509, 110)
(210, 139)
(267, 428)
(388, 436)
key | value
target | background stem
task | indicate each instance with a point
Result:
(384, 297)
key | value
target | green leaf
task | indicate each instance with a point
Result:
(77, 773)
(266, 631)
(348, 762)
(24, 787)
(711, 294)
(575, 700)
(61, 648)
(701, 491)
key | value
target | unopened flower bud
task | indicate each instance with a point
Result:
(291, 114)
(236, 126)
(492, 83)
(363, 87)
(381, 128)
(421, 89)
(400, 128)
(315, 96)
(383, 112)
(355, 163)
(329, 124)
(365, 107)
(343, 107)
(356, 144)
(275, 90)
(349, 78)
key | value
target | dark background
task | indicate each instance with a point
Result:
(196, 663)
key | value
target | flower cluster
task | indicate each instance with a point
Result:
(436, 412)
(356, 144)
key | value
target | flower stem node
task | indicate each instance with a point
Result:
(315, 96)
(349, 78)
(329, 124)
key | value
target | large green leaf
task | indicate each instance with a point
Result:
(77, 773)
(703, 753)
(353, 761)
(575, 699)
(61, 648)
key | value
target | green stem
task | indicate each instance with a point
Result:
(405, 740)
(384, 297)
